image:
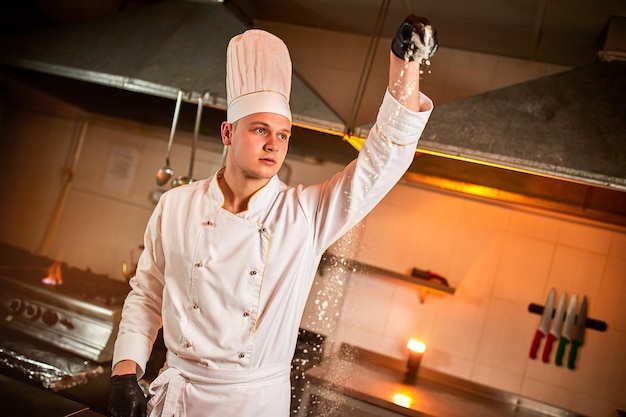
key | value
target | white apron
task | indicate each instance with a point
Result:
(185, 389)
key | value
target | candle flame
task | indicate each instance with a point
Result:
(416, 346)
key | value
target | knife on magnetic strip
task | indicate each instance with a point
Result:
(568, 327)
(544, 324)
(578, 336)
(555, 330)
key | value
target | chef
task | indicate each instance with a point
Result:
(229, 261)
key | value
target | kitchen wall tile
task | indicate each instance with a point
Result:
(483, 214)
(475, 259)
(497, 378)
(593, 407)
(535, 225)
(442, 361)
(506, 336)
(618, 245)
(357, 336)
(34, 159)
(577, 271)
(409, 318)
(119, 229)
(386, 230)
(607, 306)
(548, 393)
(585, 236)
(394, 347)
(601, 367)
(423, 200)
(523, 269)
(367, 303)
(459, 323)
(434, 242)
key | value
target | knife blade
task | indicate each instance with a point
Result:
(578, 336)
(566, 335)
(555, 330)
(544, 324)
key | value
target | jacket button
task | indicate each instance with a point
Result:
(253, 272)
(242, 355)
(246, 314)
(188, 345)
(263, 230)
(198, 264)
(210, 223)
(196, 306)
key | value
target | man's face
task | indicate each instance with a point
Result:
(257, 144)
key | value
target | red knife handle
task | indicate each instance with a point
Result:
(560, 351)
(548, 348)
(571, 360)
(534, 347)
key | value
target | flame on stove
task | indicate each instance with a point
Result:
(54, 274)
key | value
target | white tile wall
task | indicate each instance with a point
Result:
(502, 259)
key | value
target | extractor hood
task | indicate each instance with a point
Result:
(157, 49)
(516, 144)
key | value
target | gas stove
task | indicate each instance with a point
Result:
(58, 323)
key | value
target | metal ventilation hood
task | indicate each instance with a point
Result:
(156, 50)
(516, 144)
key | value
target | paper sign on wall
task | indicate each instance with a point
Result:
(120, 172)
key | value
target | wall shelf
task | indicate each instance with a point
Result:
(428, 281)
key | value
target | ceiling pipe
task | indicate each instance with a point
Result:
(367, 66)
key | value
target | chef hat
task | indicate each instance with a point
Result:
(258, 75)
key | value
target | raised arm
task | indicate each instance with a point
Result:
(415, 42)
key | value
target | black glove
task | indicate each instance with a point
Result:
(422, 46)
(126, 398)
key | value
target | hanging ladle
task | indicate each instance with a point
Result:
(189, 178)
(164, 174)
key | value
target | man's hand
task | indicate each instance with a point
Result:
(126, 398)
(415, 39)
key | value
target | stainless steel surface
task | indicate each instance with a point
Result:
(563, 126)
(56, 338)
(359, 389)
(86, 328)
(196, 130)
(53, 369)
(157, 49)
(332, 261)
(373, 384)
(79, 314)
(164, 174)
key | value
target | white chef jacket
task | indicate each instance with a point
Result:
(230, 289)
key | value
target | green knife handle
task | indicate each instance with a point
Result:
(571, 361)
(560, 351)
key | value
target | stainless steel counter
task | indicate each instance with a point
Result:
(340, 387)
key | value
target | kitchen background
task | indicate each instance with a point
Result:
(77, 188)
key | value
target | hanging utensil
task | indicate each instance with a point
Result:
(189, 178)
(164, 174)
